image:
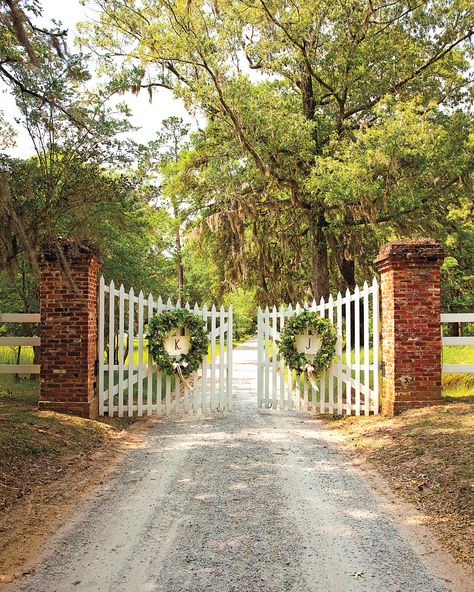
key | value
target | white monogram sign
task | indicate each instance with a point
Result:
(307, 344)
(177, 343)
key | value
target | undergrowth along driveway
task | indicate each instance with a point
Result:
(42, 453)
(427, 455)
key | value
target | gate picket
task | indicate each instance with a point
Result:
(159, 376)
(322, 381)
(357, 348)
(280, 388)
(339, 353)
(259, 358)
(121, 349)
(168, 394)
(331, 369)
(204, 405)
(375, 341)
(195, 405)
(274, 356)
(110, 356)
(131, 342)
(348, 352)
(282, 362)
(230, 320)
(140, 355)
(100, 343)
(366, 350)
(267, 355)
(221, 358)
(149, 383)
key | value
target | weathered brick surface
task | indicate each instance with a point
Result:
(411, 335)
(69, 328)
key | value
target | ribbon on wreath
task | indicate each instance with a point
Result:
(309, 369)
(177, 367)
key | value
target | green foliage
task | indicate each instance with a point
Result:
(25, 44)
(133, 236)
(161, 325)
(300, 324)
(305, 101)
(244, 308)
(157, 161)
(201, 273)
(331, 128)
(134, 239)
(457, 294)
(457, 271)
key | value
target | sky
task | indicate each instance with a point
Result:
(146, 116)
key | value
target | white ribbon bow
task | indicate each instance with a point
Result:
(177, 367)
(308, 368)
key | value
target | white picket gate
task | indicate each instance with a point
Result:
(128, 381)
(351, 384)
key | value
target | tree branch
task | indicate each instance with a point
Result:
(399, 85)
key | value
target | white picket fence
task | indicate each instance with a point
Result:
(351, 384)
(19, 341)
(461, 317)
(131, 384)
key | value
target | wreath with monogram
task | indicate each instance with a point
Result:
(315, 364)
(158, 330)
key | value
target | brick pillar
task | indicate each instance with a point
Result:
(68, 330)
(411, 333)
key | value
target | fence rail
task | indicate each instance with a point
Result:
(19, 342)
(461, 317)
(20, 317)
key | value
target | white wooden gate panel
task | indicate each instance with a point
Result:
(130, 384)
(351, 384)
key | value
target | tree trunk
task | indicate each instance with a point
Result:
(36, 360)
(18, 359)
(347, 269)
(180, 266)
(453, 329)
(179, 255)
(319, 256)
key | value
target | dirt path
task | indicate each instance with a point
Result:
(244, 501)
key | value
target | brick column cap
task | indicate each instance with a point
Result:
(409, 250)
(71, 249)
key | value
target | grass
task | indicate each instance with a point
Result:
(8, 355)
(458, 386)
(458, 354)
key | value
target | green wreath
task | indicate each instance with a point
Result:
(299, 324)
(158, 328)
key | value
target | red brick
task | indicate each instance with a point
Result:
(68, 329)
(411, 335)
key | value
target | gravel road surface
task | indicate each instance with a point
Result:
(243, 501)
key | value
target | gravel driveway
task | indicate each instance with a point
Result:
(243, 501)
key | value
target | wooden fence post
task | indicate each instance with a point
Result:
(411, 332)
(68, 329)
